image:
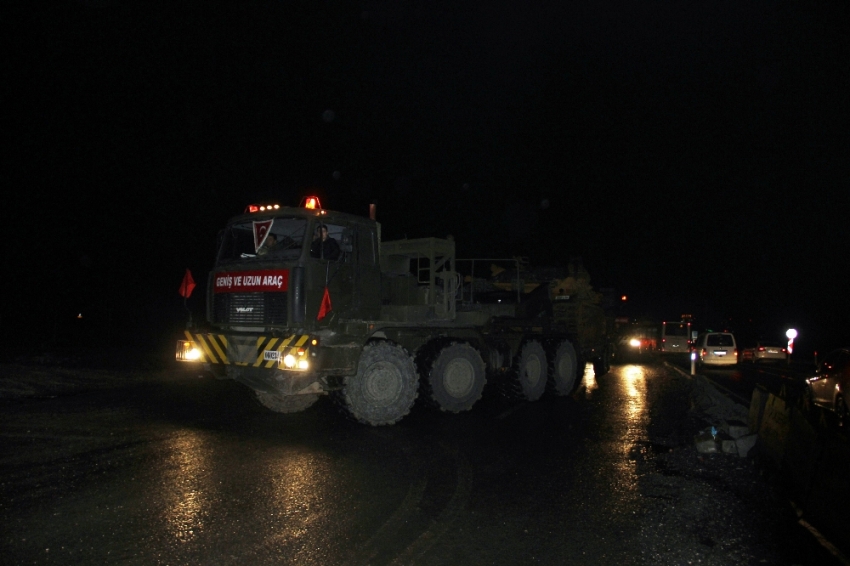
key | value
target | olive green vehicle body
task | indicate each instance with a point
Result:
(407, 293)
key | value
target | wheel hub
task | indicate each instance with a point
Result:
(564, 366)
(383, 382)
(459, 378)
(532, 370)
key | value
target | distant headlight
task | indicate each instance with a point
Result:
(634, 343)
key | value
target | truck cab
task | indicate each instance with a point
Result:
(270, 274)
(277, 300)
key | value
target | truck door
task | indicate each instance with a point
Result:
(335, 273)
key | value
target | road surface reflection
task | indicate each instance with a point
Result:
(589, 379)
(630, 388)
(297, 483)
(185, 481)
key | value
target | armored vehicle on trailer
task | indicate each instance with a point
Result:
(305, 301)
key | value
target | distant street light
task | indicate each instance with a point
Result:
(790, 334)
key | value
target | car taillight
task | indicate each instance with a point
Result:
(734, 351)
(704, 352)
(761, 348)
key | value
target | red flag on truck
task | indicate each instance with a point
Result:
(325, 308)
(261, 232)
(187, 286)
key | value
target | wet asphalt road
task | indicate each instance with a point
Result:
(173, 470)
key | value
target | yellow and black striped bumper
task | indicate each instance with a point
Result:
(260, 351)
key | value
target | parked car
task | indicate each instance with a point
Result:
(828, 387)
(761, 352)
(716, 348)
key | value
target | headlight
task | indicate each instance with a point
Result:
(634, 343)
(296, 360)
(188, 351)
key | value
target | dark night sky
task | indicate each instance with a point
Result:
(695, 154)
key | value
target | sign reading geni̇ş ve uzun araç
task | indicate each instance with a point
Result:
(269, 280)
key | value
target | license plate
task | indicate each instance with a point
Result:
(720, 352)
(773, 351)
(271, 355)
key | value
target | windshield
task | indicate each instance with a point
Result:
(722, 340)
(675, 329)
(277, 238)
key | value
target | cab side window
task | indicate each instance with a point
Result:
(346, 245)
(327, 242)
(367, 247)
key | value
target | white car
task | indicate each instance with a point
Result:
(716, 348)
(767, 352)
(828, 387)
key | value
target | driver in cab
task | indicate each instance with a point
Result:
(268, 245)
(323, 246)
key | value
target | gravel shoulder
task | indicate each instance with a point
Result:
(24, 381)
(53, 375)
(711, 508)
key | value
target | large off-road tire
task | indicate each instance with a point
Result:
(457, 377)
(564, 370)
(385, 386)
(286, 403)
(531, 369)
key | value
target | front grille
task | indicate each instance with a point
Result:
(249, 308)
(276, 308)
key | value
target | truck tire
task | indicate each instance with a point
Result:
(385, 386)
(286, 403)
(456, 378)
(601, 366)
(564, 370)
(531, 371)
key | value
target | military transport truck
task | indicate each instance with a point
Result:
(376, 324)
